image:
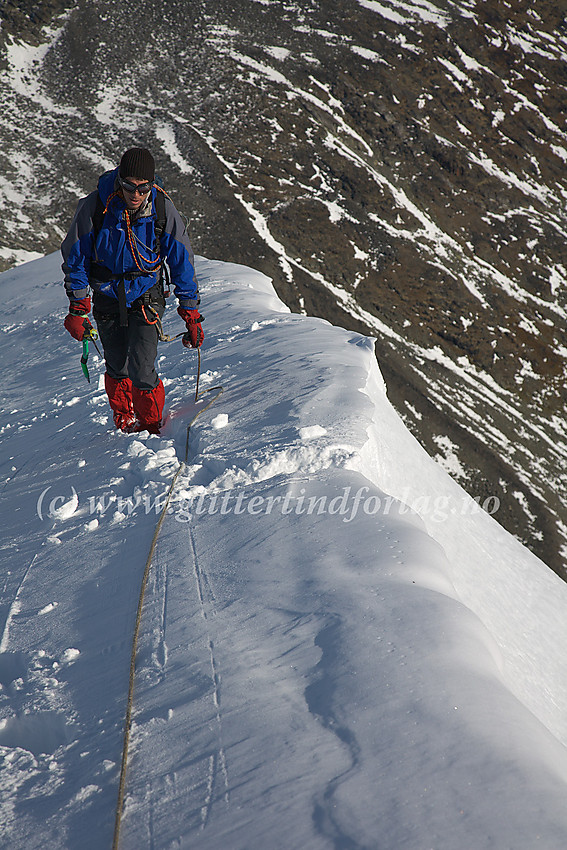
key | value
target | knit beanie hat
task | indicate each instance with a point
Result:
(139, 163)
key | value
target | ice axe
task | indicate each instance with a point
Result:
(90, 335)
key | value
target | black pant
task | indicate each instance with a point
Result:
(129, 351)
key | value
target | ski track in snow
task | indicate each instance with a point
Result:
(14, 609)
(217, 762)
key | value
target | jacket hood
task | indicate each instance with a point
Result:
(107, 184)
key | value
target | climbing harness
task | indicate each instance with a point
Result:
(130, 699)
(91, 336)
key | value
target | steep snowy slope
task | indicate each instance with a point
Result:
(338, 646)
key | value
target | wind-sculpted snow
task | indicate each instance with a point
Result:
(395, 166)
(339, 647)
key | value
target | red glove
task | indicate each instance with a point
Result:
(194, 336)
(77, 321)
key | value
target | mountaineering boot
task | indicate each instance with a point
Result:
(148, 406)
(120, 397)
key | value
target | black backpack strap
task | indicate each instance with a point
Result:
(164, 276)
(98, 216)
(161, 216)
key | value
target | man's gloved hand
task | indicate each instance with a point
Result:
(77, 321)
(194, 336)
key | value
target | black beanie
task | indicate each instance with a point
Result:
(139, 163)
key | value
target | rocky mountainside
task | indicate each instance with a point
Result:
(396, 166)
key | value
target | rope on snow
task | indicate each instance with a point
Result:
(130, 699)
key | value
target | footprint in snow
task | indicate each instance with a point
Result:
(39, 733)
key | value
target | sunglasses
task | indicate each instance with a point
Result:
(131, 188)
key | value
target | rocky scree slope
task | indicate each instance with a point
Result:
(396, 167)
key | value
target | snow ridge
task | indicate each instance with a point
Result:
(335, 640)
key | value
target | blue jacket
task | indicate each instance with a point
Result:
(112, 248)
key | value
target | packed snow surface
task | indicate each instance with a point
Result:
(339, 647)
